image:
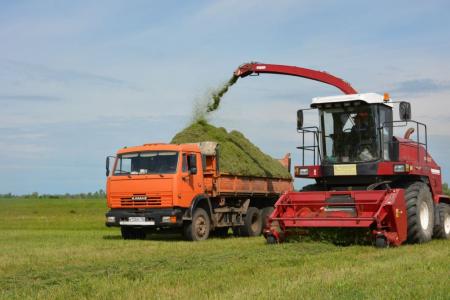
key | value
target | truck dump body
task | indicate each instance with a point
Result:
(248, 186)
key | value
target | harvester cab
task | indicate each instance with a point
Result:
(387, 189)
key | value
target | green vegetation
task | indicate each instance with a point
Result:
(445, 189)
(60, 249)
(237, 155)
(218, 94)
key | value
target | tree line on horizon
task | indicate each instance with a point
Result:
(91, 195)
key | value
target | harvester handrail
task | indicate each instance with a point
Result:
(417, 143)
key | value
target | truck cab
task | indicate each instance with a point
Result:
(149, 185)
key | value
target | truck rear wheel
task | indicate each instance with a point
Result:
(198, 229)
(130, 233)
(442, 230)
(419, 205)
(265, 214)
(252, 223)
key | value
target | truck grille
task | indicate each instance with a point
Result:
(140, 201)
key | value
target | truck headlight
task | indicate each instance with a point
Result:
(169, 219)
(111, 219)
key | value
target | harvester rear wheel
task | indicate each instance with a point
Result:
(252, 223)
(265, 214)
(130, 233)
(198, 229)
(419, 205)
(442, 231)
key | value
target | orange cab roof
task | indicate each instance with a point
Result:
(160, 147)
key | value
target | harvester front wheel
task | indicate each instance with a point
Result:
(419, 205)
(252, 223)
(442, 230)
(198, 229)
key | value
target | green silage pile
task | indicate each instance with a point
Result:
(237, 155)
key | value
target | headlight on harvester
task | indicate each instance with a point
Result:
(403, 168)
(111, 219)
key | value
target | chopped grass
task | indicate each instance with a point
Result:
(218, 94)
(237, 155)
(47, 252)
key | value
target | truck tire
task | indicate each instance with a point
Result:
(198, 229)
(419, 210)
(252, 223)
(130, 233)
(265, 214)
(442, 230)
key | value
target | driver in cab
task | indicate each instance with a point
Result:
(361, 137)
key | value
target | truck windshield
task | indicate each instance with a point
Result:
(151, 162)
(350, 134)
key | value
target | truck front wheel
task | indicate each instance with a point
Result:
(198, 229)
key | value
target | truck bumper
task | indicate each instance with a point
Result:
(148, 218)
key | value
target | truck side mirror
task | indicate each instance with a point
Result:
(299, 119)
(108, 162)
(405, 111)
(107, 166)
(192, 164)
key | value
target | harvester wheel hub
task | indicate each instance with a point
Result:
(447, 224)
(424, 215)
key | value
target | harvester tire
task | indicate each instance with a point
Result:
(442, 230)
(271, 240)
(252, 223)
(130, 233)
(420, 214)
(381, 242)
(265, 214)
(199, 228)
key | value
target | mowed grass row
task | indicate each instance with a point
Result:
(59, 248)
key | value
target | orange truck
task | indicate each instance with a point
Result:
(156, 187)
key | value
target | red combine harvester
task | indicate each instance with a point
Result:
(366, 179)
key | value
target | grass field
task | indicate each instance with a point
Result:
(59, 248)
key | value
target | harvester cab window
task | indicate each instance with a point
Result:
(350, 134)
(151, 162)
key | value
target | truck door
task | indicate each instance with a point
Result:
(191, 179)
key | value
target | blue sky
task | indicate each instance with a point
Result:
(80, 79)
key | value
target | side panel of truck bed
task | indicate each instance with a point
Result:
(252, 186)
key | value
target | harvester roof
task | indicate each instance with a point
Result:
(369, 98)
